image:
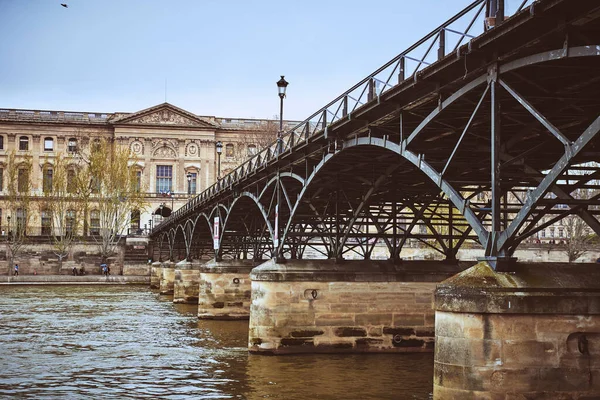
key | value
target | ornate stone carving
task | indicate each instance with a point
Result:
(165, 152)
(164, 117)
(192, 150)
(137, 147)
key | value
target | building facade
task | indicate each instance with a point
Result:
(174, 151)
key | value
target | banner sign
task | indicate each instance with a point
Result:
(216, 234)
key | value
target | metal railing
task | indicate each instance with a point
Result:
(444, 40)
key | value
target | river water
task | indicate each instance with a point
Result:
(128, 342)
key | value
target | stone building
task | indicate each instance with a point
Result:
(175, 150)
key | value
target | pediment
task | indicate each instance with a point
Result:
(164, 114)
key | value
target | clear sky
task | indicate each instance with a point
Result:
(219, 57)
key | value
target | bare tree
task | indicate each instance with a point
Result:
(62, 207)
(250, 143)
(113, 191)
(18, 202)
(578, 237)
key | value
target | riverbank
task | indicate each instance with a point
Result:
(75, 280)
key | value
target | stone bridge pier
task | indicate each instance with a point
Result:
(533, 333)
(320, 306)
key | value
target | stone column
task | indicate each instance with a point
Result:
(225, 289)
(529, 334)
(167, 279)
(318, 306)
(187, 282)
(155, 275)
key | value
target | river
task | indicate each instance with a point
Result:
(118, 342)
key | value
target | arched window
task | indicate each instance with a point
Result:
(46, 222)
(135, 221)
(48, 144)
(47, 179)
(95, 222)
(23, 179)
(24, 143)
(70, 222)
(252, 150)
(1, 142)
(71, 180)
(229, 150)
(72, 145)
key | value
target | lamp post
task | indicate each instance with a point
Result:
(162, 205)
(150, 224)
(219, 147)
(189, 179)
(281, 87)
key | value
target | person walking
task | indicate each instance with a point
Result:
(16, 273)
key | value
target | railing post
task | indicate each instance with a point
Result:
(324, 119)
(442, 48)
(401, 69)
(307, 130)
(371, 90)
(345, 106)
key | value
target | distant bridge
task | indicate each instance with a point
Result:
(480, 132)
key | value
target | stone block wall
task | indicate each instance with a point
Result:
(530, 334)
(356, 306)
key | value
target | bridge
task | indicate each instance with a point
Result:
(484, 131)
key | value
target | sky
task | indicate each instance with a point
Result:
(218, 57)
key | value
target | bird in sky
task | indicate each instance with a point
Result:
(64, 5)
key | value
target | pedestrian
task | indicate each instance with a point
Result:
(16, 269)
(74, 270)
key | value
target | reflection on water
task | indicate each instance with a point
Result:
(128, 342)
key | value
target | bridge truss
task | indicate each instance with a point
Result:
(492, 140)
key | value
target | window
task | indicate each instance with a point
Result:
(251, 150)
(135, 221)
(47, 180)
(21, 221)
(95, 185)
(70, 222)
(164, 178)
(138, 181)
(561, 232)
(192, 183)
(1, 142)
(1, 179)
(72, 145)
(95, 222)
(22, 180)
(543, 233)
(24, 143)
(71, 181)
(229, 150)
(48, 144)
(46, 222)
(551, 232)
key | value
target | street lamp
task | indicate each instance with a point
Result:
(219, 147)
(281, 86)
(189, 179)
(150, 223)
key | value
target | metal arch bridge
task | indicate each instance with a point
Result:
(475, 133)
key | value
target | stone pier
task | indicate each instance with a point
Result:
(155, 274)
(187, 282)
(530, 334)
(318, 306)
(167, 277)
(225, 289)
